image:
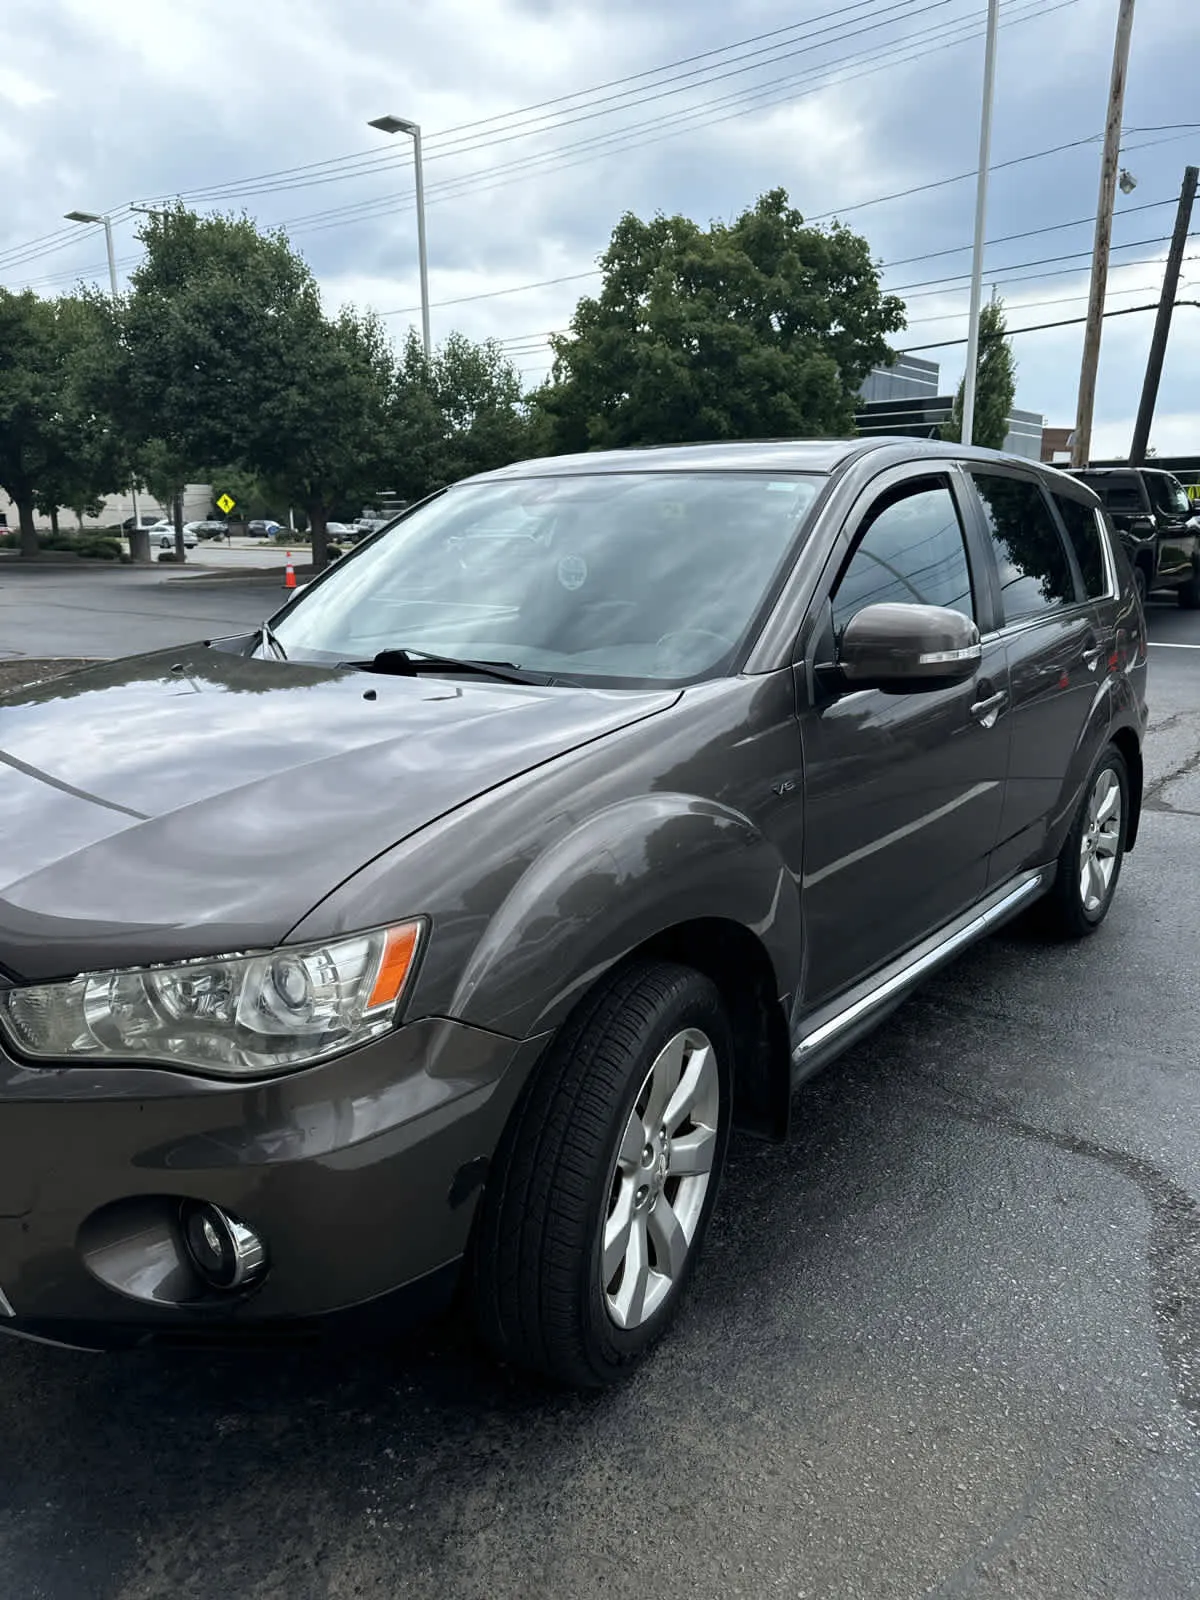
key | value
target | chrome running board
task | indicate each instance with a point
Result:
(828, 1029)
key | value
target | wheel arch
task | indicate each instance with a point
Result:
(736, 961)
(1126, 741)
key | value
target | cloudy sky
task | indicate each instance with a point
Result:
(544, 120)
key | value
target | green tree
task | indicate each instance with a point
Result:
(457, 412)
(58, 444)
(995, 384)
(760, 327)
(322, 437)
(230, 358)
(207, 325)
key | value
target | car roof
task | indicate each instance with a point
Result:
(819, 456)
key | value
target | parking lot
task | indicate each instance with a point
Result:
(946, 1343)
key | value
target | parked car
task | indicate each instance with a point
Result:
(148, 519)
(363, 527)
(339, 530)
(662, 797)
(210, 529)
(263, 528)
(163, 534)
(1158, 526)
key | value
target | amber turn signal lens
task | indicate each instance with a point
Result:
(398, 953)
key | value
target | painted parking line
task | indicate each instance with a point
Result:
(1169, 644)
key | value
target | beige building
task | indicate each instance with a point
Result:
(197, 502)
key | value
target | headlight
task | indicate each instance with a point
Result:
(237, 1016)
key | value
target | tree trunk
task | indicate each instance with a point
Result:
(177, 508)
(54, 520)
(317, 519)
(29, 538)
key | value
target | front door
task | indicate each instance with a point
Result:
(902, 791)
(1177, 540)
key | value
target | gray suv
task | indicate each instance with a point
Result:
(670, 773)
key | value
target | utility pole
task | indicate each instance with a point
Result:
(1081, 446)
(1162, 323)
(970, 377)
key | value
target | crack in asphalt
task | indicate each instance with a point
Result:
(1173, 1254)
(1157, 784)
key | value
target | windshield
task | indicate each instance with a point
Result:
(612, 578)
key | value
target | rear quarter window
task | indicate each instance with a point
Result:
(1084, 535)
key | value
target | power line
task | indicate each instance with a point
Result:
(1031, 305)
(19, 254)
(436, 144)
(621, 136)
(633, 136)
(468, 183)
(1041, 327)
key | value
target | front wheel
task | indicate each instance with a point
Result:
(604, 1182)
(1090, 862)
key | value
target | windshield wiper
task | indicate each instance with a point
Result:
(410, 663)
(267, 638)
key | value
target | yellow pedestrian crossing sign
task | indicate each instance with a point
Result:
(226, 503)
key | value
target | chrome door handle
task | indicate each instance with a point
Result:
(986, 711)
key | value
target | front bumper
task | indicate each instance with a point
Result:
(360, 1175)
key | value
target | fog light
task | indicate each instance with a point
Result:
(225, 1252)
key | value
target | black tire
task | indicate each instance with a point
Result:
(1189, 595)
(536, 1287)
(1066, 915)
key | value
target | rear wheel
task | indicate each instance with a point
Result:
(605, 1180)
(1090, 862)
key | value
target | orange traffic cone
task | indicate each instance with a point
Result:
(289, 577)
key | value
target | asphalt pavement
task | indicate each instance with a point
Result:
(946, 1343)
(111, 610)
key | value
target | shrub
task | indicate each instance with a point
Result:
(101, 549)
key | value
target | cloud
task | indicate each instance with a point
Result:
(125, 99)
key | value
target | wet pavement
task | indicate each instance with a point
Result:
(946, 1343)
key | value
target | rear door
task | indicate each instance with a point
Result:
(1052, 632)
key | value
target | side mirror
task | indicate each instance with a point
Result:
(906, 648)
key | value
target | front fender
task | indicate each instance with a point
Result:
(633, 871)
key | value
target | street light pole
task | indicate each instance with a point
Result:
(403, 125)
(106, 223)
(971, 375)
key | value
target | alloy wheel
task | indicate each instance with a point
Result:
(1100, 842)
(660, 1178)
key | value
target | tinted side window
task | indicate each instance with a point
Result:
(911, 550)
(1167, 495)
(1035, 575)
(1084, 533)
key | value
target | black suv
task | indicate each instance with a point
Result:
(1158, 526)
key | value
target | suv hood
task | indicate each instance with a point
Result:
(196, 802)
